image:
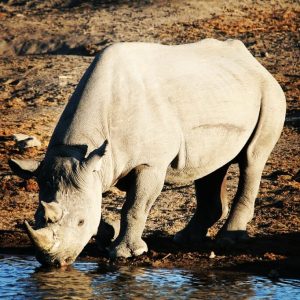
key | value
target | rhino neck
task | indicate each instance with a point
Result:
(76, 151)
(90, 114)
(79, 153)
(84, 120)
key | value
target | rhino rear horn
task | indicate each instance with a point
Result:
(53, 211)
(41, 238)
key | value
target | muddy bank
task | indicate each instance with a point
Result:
(44, 51)
(274, 256)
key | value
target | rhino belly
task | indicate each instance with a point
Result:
(206, 149)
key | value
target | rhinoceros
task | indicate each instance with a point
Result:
(145, 114)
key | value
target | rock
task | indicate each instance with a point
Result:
(296, 177)
(24, 141)
(276, 174)
(64, 80)
(6, 49)
(19, 136)
(273, 274)
(212, 254)
(278, 204)
(12, 81)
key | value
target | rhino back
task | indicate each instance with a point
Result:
(188, 104)
(195, 105)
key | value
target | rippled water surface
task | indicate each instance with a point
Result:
(22, 278)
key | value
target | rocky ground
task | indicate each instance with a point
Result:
(45, 47)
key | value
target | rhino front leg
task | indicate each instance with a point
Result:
(212, 205)
(144, 186)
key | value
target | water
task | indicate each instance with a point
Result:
(22, 278)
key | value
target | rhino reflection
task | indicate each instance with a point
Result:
(147, 283)
(92, 281)
(61, 283)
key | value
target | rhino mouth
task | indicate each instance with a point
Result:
(49, 260)
(46, 247)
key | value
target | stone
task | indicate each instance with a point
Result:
(24, 141)
(212, 254)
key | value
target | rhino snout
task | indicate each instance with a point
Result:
(46, 259)
(63, 262)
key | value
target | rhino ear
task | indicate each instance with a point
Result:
(93, 161)
(24, 168)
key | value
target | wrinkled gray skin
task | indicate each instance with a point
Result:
(175, 113)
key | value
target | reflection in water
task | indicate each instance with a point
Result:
(61, 283)
(149, 283)
(21, 278)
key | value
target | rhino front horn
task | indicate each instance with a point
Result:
(41, 238)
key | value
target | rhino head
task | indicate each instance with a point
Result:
(69, 208)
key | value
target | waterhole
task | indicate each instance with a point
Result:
(23, 278)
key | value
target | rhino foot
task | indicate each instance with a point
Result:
(126, 250)
(227, 239)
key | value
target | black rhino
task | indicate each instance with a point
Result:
(146, 113)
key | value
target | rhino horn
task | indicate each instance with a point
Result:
(41, 238)
(53, 211)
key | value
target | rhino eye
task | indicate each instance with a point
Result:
(81, 222)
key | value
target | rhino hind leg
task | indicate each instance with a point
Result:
(242, 209)
(251, 161)
(143, 187)
(212, 205)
